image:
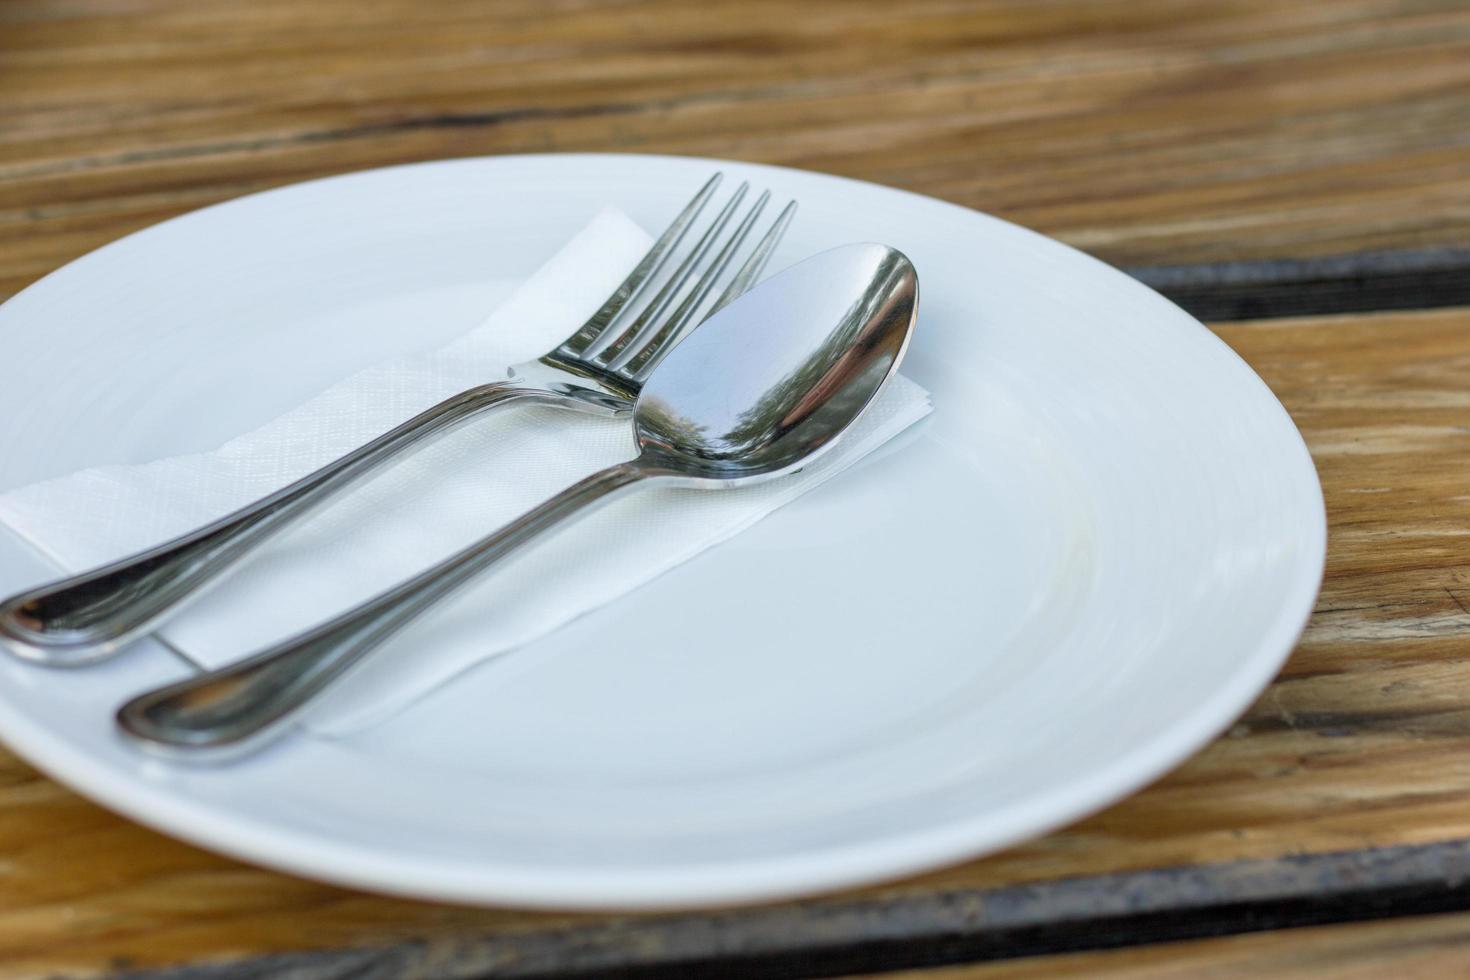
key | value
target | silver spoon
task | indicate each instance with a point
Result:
(760, 390)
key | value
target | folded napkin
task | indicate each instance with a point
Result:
(418, 511)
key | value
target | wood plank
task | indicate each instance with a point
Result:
(1360, 744)
(886, 932)
(1174, 132)
(1422, 948)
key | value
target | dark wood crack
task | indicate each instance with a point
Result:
(1361, 282)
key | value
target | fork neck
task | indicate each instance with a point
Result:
(605, 391)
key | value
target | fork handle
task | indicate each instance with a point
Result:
(236, 709)
(88, 616)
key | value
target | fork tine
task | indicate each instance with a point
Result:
(647, 319)
(751, 271)
(744, 279)
(676, 324)
(643, 273)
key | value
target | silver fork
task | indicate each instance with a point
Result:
(599, 369)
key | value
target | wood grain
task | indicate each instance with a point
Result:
(1152, 133)
(1364, 741)
(1425, 948)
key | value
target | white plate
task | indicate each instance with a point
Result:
(1091, 557)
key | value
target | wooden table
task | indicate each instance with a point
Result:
(1298, 174)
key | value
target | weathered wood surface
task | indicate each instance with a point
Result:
(901, 930)
(1364, 741)
(1433, 947)
(1280, 142)
(1148, 133)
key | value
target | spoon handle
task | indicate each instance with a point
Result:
(234, 710)
(88, 616)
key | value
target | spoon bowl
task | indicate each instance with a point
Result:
(770, 382)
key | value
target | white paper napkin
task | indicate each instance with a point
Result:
(429, 505)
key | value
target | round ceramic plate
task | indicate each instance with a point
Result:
(1083, 565)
